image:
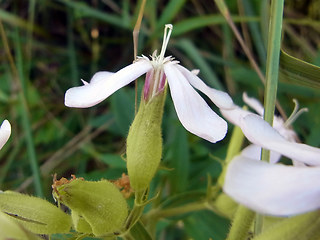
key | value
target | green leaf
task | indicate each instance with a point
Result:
(19, 22)
(170, 11)
(97, 206)
(298, 72)
(206, 225)
(122, 106)
(35, 214)
(138, 231)
(10, 229)
(178, 158)
(83, 10)
(113, 160)
(182, 198)
(255, 30)
(205, 21)
(99, 120)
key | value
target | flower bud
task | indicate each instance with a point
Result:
(144, 142)
(35, 214)
(97, 207)
(10, 229)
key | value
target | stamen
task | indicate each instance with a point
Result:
(154, 54)
(166, 37)
(156, 77)
(295, 113)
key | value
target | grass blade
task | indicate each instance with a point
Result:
(83, 10)
(273, 56)
(170, 11)
(204, 21)
(255, 33)
(19, 22)
(26, 120)
(205, 70)
(18, 80)
(272, 72)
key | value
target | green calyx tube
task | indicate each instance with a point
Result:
(144, 142)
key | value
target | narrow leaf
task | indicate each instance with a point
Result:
(205, 21)
(298, 72)
(83, 10)
(170, 11)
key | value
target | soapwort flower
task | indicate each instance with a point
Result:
(274, 189)
(5, 131)
(192, 110)
(236, 114)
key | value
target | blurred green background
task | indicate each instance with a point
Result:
(54, 44)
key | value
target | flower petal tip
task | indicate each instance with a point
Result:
(6, 126)
(5, 132)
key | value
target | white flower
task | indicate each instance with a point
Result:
(193, 112)
(236, 114)
(274, 189)
(5, 131)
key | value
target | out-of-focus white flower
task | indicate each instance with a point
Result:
(193, 112)
(5, 131)
(236, 114)
(274, 189)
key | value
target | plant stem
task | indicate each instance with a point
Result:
(272, 72)
(136, 212)
(127, 236)
(241, 224)
(272, 67)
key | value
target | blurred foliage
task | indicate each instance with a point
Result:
(56, 43)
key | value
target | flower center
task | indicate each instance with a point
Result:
(155, 78)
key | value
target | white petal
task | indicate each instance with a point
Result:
(103, 84)
(254, 152)
(253, 103)
(84, 82)
(234, 114)
(284, 131)
(195, 71)
(219, 98)
(5, 131)
(278, 122)
(261, 133)
(193, 112)
(273, 189)
(100, 76)
(298, 163)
